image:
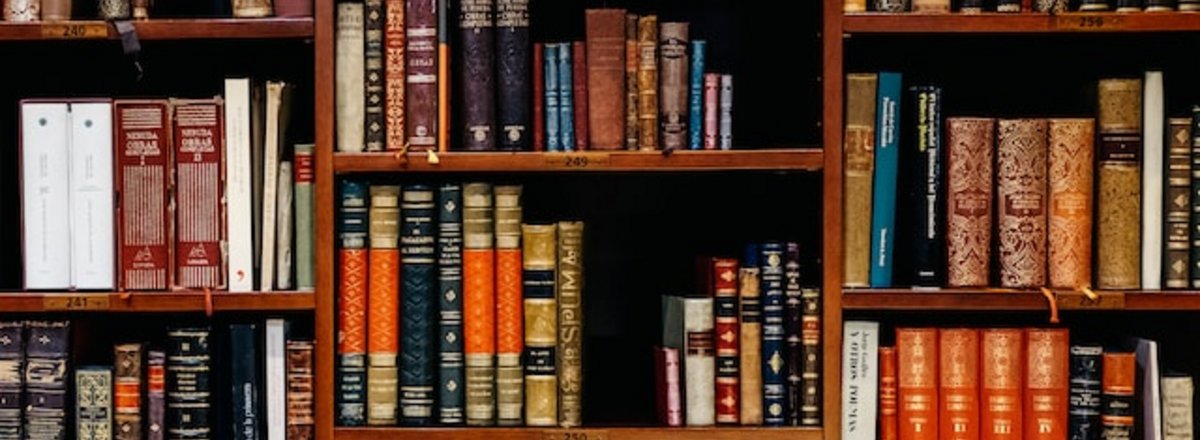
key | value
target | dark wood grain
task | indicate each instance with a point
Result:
(831, 251)
(997, 23)
(796, 159)
(164, 29)
(593, 433)
(323, 126)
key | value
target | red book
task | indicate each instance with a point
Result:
(888, 422)
(539, 97)
(421, 93)
(1046, 384)
(668, 398)
(199, 190)
(958, 350)
(143, 150)
(1000, 394)
(917, 349)
(724, 283)
(579, 86)
(393, 74)
(712, 87)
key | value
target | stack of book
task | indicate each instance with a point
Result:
(1015, 6)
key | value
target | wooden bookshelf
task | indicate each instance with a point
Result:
(1023, 23)
(648, 433)
(163, 29)
(1015, 300)
(148, 302)
(792, 159)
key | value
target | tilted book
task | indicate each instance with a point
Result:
(302, 157)
(277, 102)
(1118, 404)
(958, 373)
(512, 74)
(860, 376)
(275, 376)
(93, 404)
(917, 370)
(479, 303)
(1118, 202)
(350, 90)
(1149, 390)
(127, 391)
(156, 394)
(724, 283)
(509, 317)
(351, 396)
(538, 278)
(793, 326)
(1153, 124)
(418, 326)
(451, 379)
(1047, 373)
(1083, 411)
(383, 301)
(12, 375)
(750, 338)
(857, 171)
(1178, 262)
(91, 195)
(688, 327)
(47, 365)
(301, 424)
(395, 77)
(188, 389)
(244, 382)
(1001, 360)
(1069, 209)
(570, 323)
(239, 273)
(45, 200)
(889, 421)
(1177, 402)
(887, 158)
(579, 94)
(199, 189)
(606, 75)
(477, 73)
(969, 186)
(673, 84)
(632, 61)
(647, 82)
(696, 96)
(1021, 201)
(143, 146)
(421, 105)
(374, 128)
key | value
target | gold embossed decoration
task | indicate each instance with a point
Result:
(969, 201)
(1021, 202)
(1070, 207)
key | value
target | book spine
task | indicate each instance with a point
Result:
(566, 97)
(712, 86)
(300, 422)
(374, 93)
(673, 84)
(417, 265)
(725, 138)
(188, 393)
(394, 75)
(858, 169)
(303, 158)
(156, 396)
(632, 61)
(1194, 221)
(750, 338)
(1178, 395)
(479, 304)
(810, 374)
(12, 360)
(1153, 124)
(917, 349)
(1021, 201)
(512, 76)
(510, 387)
(579, 89)
(943, 6)
(1046, 383)
(860, 344)
(889, 422)
(475, 20)
(550, 68)
(350, 96)
(887, 158)
(570, 323)
(352, 305)
(969, 201)
(91, 196)
(284, 228)
(45, 206)
(699, 363)
(696, 96)
(451, 378)
(929, 240)
(667, 389)
(269, 207)
(793, 327)
(541, 331)
(1001, 359)
(421, 89)
(1117, 408)
(143, 144)
(1084, 410)
(539, 96)
(1118, 201)
(243, 355)
(93, 404)
(1179, 205)
(239, 238)
(127, 391)
(647, 82)
(443, 75)
(725, 326)
(1070, 203)
(958, 368)
(46, 368)
(275, 376)
(383, 300)
(605, 80)
(774, 364)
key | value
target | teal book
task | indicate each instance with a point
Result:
(566, 99)
(887, 155)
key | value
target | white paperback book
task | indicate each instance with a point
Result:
(276, 369)
(270, 184)
(1152, 180)
(91, 196)
(283, 231)
(860, 379)
(1147, 364)
(44, 195)
(238, 186)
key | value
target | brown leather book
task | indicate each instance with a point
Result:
(1118, 402)
(888, 422)
(958, 392)
(750, 345)
(1118, 247)
(673, 81)
(606, 78)
(1000, 368)
(1021, 201)
(1046, 383)
(422, 65)
(579, 87)
(1179, 203)
(301, 424)
(1070, 207)
(127, 383)
(969, 201)
(632, 60)
(859, 150)
(918, 373)
(647, 80)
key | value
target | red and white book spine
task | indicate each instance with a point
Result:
(199, 186)
(669, 396)
(143, 151)
(712, 87)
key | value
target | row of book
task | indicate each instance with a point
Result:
(634, 83)
(151, 393)
(747, 352)
(1016, 6)
(477, 313)
(998, 383)
(206, 194)
(1036, 193)
(27, 11)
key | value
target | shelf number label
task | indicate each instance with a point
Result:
(75, 302)
(72, 31)
(1106, 301)
(575, 434)
(1088, 22)
(577, 161)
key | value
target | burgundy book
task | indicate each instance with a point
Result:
(969, 201)
(199, 189)
(606, 78)
(667, 392)
(143, 150)
(712, 87)
(393, 74)
(421, 88)
(1021, 201)
(579, 71)
(673, 84)
(539, 96)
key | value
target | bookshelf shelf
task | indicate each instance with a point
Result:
(646, 433)
(1024, 23)
(794, 159)
(146, 302)
(164, 29)
(1015, 300)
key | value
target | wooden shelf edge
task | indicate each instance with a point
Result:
(1015, 300)
(163, 29)
(141, 302)
(1018, 23)
(790, 159)
(598, 433)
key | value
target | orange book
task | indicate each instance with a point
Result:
(918, 376)
(509, 335)
(352, 303)
(958, 352)
(888, 423)
(383, 302)
(1047, 373)
(1118, 401)
(1000, 366)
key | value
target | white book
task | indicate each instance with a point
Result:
(238, 186)
(701, 362)
(350, 107)
(91, 196)
(276, 369)
(270, 184)
(860, 379)
(1177, 397)
(1147, 363)
(283, 230)
(44, 195)
(1152, 181)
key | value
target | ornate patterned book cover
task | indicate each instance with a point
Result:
(606, 70)
(550, 74)
(451, 379)
(793, 328)
(927, 187)
(632, 61)
(143, 143)
(539, 97)
(1178, 204)
(243, 360)
(12, 360)
(570, 323)
(968, 201)
(958, 369)
(1177, 394)
(1001, 357)
(394, 74)
(1194, 222)
(889, 422)
(725, 327)
(541, 323)
(1070, 204)
(300, 422)
(47, 365)
(673, 84)
(302, 155)
(1118, 401)
(1021, 201)
(477, 52)
(479, 303)
(1118, 246)
(647, 82)
(352, 305)
(156, 394)
(712, 86)
(189, 396)
(667, 398)
(774, 354)
(418, 326)
(696, 96)
(750, 338)
(1083, 414)
(566, 97)
(127, 391)
(579, 92)
(421, 104)
(1047, 373)
(859, 166)
(512, 75)
(199, 189)
(810, 346)
(917, 349)
(725, 114)
(93, 404)
(383, 300)
(375, 130)
(350, 92)
(510, 338)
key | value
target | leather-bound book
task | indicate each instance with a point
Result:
(1129, 5)
(46, 368)
(383, 301)
(539, 255)
(811, 357)
(1187, 5)
(712, 86)
(418, 329)
(512, 74)
(1094, 5)
(647, 82)
(570, 323)
(632, 60)
(889, 428)
(1178, 394)
(302, 154)
(854, 6)
(351, 395)
(958, 368)
(1001, 360)
(927, 186)
(931, 6)
(375, 130)
(127, 391)
(1194, 221)
(774, 353)
(566, 97)
(1051, 6)
(12, 357)
(1083, 414)
(189, 390)
(1070, 204)
(443, 76)
(479, 303)
(1178, 262)
(750, 338)
(56, 10)
(510, 335)
(891, 5)
(476, 75)
(156, 395)
(249, 8)
(394, 75)
(1021, 201)
(1118, 246)
(793, 326)
(300, 411)
(917, 369)
(350, 96)
(539, 97)
(859, 150)
(421, 105)
(105, 9)
(724, 282)
(606, 70)
(673, 83)
(550, 97)
(1118, 401)
(969, 144)
(667, 397)
(143, 143)
(451, 377)
(579, 94)
(725, 113)
(1047, 373)
(199, 186)
(244, 381)
(93, 404)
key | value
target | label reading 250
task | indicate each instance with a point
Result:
(575, 434)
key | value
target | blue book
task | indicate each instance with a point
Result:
(553, 143)
(566, 99)
(451, 376)
(696, 97)
(417, 321)
(351, 395)
(887, 154)
(774, 354)
(243, 354)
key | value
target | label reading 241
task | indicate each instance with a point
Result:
(575, 434)
(81, 301)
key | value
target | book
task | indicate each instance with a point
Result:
(696, 95)
(510, 396)
(538, 278)
(725, 137)
(476, 45)
(422, 65)
(688, 328)
(374, 91)
(418, 265)
(550, 69)
(889, 422)
(712, 130)
(860, 376)
(812, 358)
(127, 391)
(1152, 180)
(570, 323)
(443, 75)
(12, 374)
(1069, 205)
(302, 156)
(451, 379)
(350, 74)
(887, 154)
(244, 381)
(276, 91)
(512, 74)
(143, 143)
(774, 361)
(93, 403)
(156, 394)
(958, 386)
(667, 390)
(539, 97)
(793, 327)
(1177, 397)
(284, 227)
(927, 186)
(579, 92)
(239, 271)
(258, 139)
(917, 368)
(1118, 201)
(1178, 205)
(1146, 356)
(935, 6)
(479, 303)
(566, 97)
(1194, 221)
(1021, 201)
(275, 377)
(673, 84)
(1047, 373)
(47, 362)
(857, 172)
(632, 61)
(969, 187)
(91, 195)
(199, 211)
(854, 6)
(188, 391)
(607, 71)
(750, 338)
(1083, 412)
(724, 284)
(383, 301)
(647, 82)
(1117, 410)
(394, 74)
(300, 412)
(45, 200)
(353, 276)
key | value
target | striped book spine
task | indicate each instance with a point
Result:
(383, 301)
(189, 393)
(725, 309)
(199, 212)
(774, 360)
(793, 324)
(352, 306)
(1195, 218)
(394, 73)
(127, 385)
(373, 87)
(696, 96)
(156, 394)
(510, 338)
(301, 424)
(479, 303)
(418, 253)
(12, 358)
(541, 334)
(143, 183)
(450, 307)
(570, 322)
(421, 88)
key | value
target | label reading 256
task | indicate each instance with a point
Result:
(575, 434)
(1085, 22)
